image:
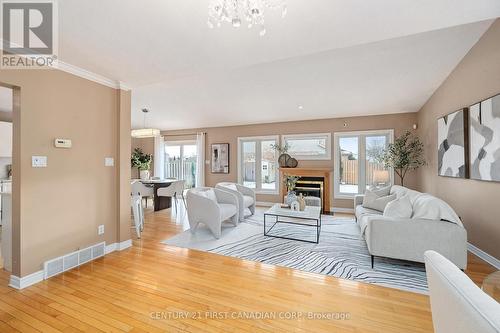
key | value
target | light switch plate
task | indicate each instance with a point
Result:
(109, 161)
(39, 161)
(100, 230)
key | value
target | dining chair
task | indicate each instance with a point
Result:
(138, 188)
(175, 188)
(138, 213)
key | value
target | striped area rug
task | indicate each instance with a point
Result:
(341, 251)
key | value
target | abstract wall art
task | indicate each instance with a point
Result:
(453, 144)
(484, 124)
(220, 158)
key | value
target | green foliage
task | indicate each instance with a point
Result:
(405, 154)
(290, 182)
(141, 160)
(281, 149)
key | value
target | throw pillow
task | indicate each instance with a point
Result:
(399, 208)
(232, 187)
(382, 192)
(373, 201)
(209, 194)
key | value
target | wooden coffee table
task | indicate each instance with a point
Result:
(310, 217)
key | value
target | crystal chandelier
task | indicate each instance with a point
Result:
(237, 11)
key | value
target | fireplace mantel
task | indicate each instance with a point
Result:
(310, 172)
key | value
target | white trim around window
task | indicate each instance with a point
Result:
(328, 147)
(361, 135)
(258, 167)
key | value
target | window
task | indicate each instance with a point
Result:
(180, 161)
(309, 146)
(357, 166)
(258, 163)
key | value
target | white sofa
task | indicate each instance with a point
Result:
(433, 226)
(457, 304)
(246, 197)
(211, 207)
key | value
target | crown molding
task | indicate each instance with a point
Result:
(85, 74)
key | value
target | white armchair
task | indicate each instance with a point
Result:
(246, 197)
(457, 304)
(211, 206)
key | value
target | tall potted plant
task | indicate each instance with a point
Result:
(142, 162)
(405, 154)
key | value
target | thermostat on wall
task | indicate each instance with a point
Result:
(62, 143)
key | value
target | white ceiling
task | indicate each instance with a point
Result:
(336, 57)
(5, 99)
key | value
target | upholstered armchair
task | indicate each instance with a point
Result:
(246, 197)
(211, 206)
(457, 304)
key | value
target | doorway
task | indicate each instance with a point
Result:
(6, 144)
(180, 161)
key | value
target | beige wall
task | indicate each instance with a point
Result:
(57, 209)
(398, 122)
(477, 77)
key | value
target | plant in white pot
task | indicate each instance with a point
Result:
(142, 162)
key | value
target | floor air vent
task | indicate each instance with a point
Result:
(59, 265)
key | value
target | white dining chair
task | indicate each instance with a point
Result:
(138, 214)
(172, 191)
(138, 188)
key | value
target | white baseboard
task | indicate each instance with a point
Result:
(342, 210)
(110, 248)
(483, 255)
(29, 280)
(26, 281)
(118, 246)
(124, 245)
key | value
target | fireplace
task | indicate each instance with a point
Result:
(311, 187)
(314, 182)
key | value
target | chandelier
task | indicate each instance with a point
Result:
(237, 11)
(145, 132)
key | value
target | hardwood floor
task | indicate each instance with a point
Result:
(152, 287)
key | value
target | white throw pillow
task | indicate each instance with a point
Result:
(373, 201)
(382, 192)
(209, 194)
(400, 208)
(232, 187)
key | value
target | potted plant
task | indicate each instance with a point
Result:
(290, 182)
(142, 162)
(405, 154)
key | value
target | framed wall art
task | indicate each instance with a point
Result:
(453, 146)
(220, 158)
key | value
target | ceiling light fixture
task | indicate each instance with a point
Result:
(145, 132)
(235, 11)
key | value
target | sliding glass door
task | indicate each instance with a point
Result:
(180, 161)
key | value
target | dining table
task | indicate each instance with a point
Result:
(159, 202)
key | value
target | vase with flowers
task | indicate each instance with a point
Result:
(290, 182)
